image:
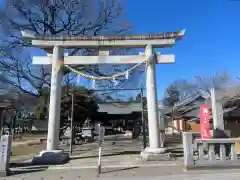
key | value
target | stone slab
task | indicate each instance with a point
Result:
(212, 167)
(155, 157)
(4, 173)
(51, 158)
(155, 154)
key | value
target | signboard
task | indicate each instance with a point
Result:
(205, 122)
(101, 135)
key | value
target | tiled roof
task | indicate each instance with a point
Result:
(190, 98)
(197, 118)
(186, 109)
(4, 104)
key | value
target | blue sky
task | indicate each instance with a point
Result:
(212, 35)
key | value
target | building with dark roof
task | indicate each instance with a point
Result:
(188, 112)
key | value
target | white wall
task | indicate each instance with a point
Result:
(120, 108)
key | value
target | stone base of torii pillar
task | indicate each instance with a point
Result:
(158, 154)
(52, 157)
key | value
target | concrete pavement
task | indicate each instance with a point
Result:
(125, 151)
(120, 156)
(133, 173)
(121, 162)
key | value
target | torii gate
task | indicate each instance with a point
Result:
(56, 46)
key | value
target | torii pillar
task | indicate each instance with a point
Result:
(156, 147)
(155, 151)
(55, 99)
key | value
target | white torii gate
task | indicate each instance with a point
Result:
(56, 45)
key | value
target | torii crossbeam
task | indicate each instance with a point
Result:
(56, 46)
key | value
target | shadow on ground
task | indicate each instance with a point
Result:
(121, 169)
(177, 152)
(111, 154)
(24, 168)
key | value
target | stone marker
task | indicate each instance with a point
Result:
(5, 153)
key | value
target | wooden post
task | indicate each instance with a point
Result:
(101, 133)
(143, 122)
(1, 121)
(99, 160)
(72, 118)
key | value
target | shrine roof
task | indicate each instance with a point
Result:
(120, 107)
(5, 104)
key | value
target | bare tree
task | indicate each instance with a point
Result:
(4, 87)
(54, 17)
(171, 97)
(185, 88)
(219, 81)
(182, 88)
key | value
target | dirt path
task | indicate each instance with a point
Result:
(24, 149)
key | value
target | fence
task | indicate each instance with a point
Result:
(213, 153)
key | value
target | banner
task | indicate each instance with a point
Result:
(205, 122)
